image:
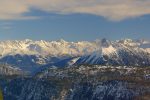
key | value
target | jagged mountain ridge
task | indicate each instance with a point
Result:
(92, 82)
(29, 55)
(60, 47)
(123, 52)
(45, 48)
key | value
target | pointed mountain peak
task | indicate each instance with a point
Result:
(105, 42)
(62, 41)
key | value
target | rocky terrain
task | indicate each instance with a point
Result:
(61, 70)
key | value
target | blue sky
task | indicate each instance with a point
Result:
(40, 22)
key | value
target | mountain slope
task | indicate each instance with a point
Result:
(9, 70)
(80, 83)
(61, 47)
(117, 53)
(31, 55)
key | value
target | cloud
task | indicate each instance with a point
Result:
(111, 9)
(14, 10)
(6, 26)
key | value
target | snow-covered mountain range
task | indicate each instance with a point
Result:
(45, 48)
(98, 70)
(30, 55)
(62, 47)
(124, 52)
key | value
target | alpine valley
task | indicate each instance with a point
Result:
(84, 70)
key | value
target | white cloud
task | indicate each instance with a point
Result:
(6, 26)
(110, 9)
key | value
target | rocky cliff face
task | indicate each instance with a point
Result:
(79, 83)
